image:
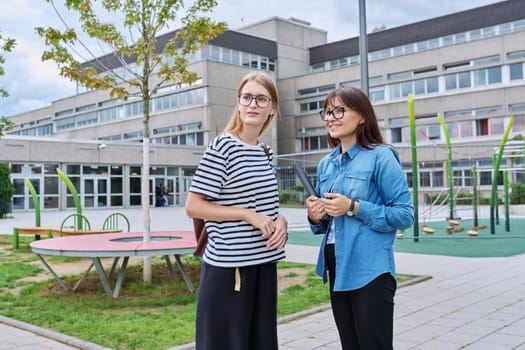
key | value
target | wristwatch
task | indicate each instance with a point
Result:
(350, 211)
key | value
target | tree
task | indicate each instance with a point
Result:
(6, 45)
(147, 65)
(6, 189)
(5, 125)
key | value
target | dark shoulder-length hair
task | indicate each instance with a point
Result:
(368, 133)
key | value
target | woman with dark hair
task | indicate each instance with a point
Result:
(363, 199)
(235, 191)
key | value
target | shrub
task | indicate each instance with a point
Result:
(293, 196)
(517, 194)
(6, 189)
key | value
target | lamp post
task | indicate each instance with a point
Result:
(363, 46)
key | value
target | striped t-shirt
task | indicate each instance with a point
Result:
(234, 173)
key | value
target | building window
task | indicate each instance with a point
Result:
(457, 81)
(309, 106)
(396, 135)
(377, 93)
(65, 123)
(134, 109)
(314, 143)
(516, 71)
(316, 90)
(482, 127)
(461, 129)
(496, 126)
(417, 87)
(519, 124)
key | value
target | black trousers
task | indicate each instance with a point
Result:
(237, 320)
(364, 317)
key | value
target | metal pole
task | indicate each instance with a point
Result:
(475, 195)
(363, 47)
(450, 178)
(506, 199)
(415, 175)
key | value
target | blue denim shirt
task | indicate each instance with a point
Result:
(364, 242)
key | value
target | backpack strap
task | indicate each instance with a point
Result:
(266, 151)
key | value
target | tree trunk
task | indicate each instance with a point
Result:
(145, 206)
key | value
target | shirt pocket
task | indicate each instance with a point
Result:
(324, 184)
(357, 183)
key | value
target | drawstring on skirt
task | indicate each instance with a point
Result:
(237, 286)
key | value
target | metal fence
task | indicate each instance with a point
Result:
(432, 172)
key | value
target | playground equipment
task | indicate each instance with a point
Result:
(493, 197)
(36, 230)
(496, 165)
(72, 189)
(415, 175)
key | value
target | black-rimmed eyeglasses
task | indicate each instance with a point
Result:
(260, 100)
(336, 113)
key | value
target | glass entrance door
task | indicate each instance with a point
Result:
(22, 199)
(95, 192)
(164, 191)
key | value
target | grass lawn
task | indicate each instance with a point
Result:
(165, 308)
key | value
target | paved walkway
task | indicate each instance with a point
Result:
(469, 303)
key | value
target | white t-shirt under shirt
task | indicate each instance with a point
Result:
(234, 173)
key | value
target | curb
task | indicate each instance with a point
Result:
(59, 337)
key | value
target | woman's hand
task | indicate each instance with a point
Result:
(262, 222)
(280, 236)
(315, 209)
(335, 204)
(276, 232)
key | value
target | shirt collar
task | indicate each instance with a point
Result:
(352, 152)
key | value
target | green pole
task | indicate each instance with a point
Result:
(506, 199)
(496, 197)
(415, 177)
(475, 194)
(36, 202)
(449, 167)
(497, 163)
(74, 193)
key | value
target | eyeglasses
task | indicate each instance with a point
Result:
(260, 100)
(336, 113)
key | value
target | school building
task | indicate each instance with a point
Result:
(467, 66)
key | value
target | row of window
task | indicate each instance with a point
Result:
(462, 178)
(109, 112)
(236, 57)
(459, 38)
(186, 138)
(132, 109)
(99, 186)
(478, 78)
(189, 139)
(313, 139)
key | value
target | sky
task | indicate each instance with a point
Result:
(33, 84)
